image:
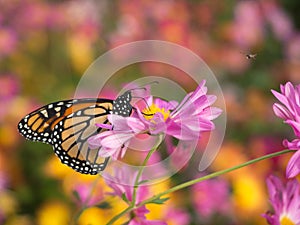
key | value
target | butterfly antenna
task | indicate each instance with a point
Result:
(143, 86)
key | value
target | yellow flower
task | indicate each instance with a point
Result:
(96, 215)
(54, 213)
(249, 194)
(81, 51)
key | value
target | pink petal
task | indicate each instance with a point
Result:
(107, 152)
(116, 140)
(293, 167)
(281, 111)
(118, 122)
(294, 145)
(173, 104)
(164, 104)
(95, 141)
(295, 125)
(135, 124)
(285, 97)
(204, 102)
(282, 98)
(200, 90)
(211, 113)
(104, 126)
(275, 187)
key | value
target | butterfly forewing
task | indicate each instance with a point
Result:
(37, 126)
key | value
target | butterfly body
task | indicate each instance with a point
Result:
(66, 125)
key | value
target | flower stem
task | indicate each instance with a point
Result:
(142, 169)
(189, 183)
(212, 175)
(115, 218)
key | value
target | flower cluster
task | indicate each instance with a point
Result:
(184, 121)
(289, 111)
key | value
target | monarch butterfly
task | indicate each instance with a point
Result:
(66, 125)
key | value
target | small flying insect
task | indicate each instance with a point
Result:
(251, 56)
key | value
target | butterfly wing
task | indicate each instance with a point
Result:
(66, 125)
(37, 126)
(70, 139)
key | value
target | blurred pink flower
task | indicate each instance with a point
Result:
(9, 86)
(122, 184)
(248, 24)
(289, 111)
(32, 15)
(280, 22)
(211, 196)
(86, 195)
(140, 218)
(184, 121)
(8, 91)
(293, 49)
(8, 41)
(285, 202)
(3, 181)
(177, 216)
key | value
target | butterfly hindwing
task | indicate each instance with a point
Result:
(70, 139)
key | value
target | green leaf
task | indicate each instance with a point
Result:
(143, 181)
(125, 198)
(76, 195)
(103, 205)
(159, 201)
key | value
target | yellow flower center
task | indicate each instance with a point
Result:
(286, 221)
(149, 112)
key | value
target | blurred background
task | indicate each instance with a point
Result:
(45, 47)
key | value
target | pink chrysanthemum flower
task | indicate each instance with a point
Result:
(289, 111)
(211, 197)
(285, 202)
(184, 121)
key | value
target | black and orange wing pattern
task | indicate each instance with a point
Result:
(67, 125)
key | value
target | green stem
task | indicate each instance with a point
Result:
(136, 183)
(212, 175)
(189, 183)
(125, 211)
